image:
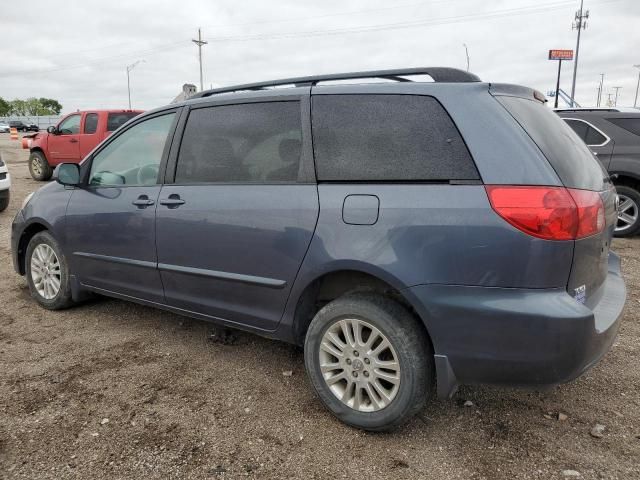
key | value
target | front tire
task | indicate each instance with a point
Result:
(39, 168)
(47, 272)
(370, 361)
(628, 222)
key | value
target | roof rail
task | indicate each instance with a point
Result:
(438, 74)
(587, 109)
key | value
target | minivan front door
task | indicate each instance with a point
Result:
(233, 229)
(110, 223)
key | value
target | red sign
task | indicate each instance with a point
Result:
(560, 54)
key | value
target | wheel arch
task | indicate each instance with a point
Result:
(626, 178)
(342, 279)
(28, 233)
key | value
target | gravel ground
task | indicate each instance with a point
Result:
(111, 389)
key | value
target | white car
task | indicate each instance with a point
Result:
(4, 128)
(5, 184)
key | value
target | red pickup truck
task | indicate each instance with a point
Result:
(72, 139)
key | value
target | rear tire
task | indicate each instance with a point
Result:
(4, 202)
(628, 222)
(47, 272)
(354, 385)
(39, 168)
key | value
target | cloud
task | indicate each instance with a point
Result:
(78, 52)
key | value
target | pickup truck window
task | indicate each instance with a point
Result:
(91, 123)
(70, 125)
(133, 158)
(115, 120)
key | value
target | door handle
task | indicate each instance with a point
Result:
(143, 201)
(173, 201)
(73, 140)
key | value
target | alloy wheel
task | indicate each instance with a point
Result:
(359, 365)
(36, 167)
(627, 213)
(45, 271)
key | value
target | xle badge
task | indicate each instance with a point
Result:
(580, 294)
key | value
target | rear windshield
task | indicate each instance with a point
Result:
(115, 120)
(570, 157)
(629, 124)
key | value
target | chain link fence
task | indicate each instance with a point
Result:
(42, 121)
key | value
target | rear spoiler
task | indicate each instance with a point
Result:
(510, 90)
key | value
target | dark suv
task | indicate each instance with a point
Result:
(413, 236)
(614, 136)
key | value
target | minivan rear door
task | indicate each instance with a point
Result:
(239, 210)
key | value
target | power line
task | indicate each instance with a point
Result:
(541, 8)
(341, 31)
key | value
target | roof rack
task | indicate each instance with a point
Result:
(438, 74)
(587, 109)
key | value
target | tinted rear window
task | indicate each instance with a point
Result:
(91, 123)
(248, 143)
(566, 151)
(387, 138)
(115, 120)
(629, 124)
(586, 132)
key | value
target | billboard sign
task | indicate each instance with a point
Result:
(560, 54)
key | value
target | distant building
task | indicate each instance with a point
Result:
(188, 90)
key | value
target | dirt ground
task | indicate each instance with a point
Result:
(110, 389)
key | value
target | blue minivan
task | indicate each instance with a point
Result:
(413, 236)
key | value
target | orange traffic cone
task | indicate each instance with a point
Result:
(14, 133)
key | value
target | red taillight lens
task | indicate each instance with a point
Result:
(552, 213)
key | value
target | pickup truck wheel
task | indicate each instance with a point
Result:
(628, 212)
(39, 167)
(370, 361)
(47, 272)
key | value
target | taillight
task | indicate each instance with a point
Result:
(552, 213)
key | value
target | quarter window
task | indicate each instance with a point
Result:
(132, 158)
(586, 132)
(248, 143)
(387, 138)
(70, 125)
(91, 123)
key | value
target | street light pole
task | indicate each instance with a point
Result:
(467, 52)
(635, 102)
(129, 68)
(600, 92)
(615, 102)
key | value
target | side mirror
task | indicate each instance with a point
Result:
(67, 174)
(52, 130)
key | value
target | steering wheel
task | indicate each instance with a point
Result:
(147, 174)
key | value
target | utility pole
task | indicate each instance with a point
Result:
(200, 43)
(580, 24)
(601, 87)
(129, 68)
(609, 101)
(635, 102)
(467, 52)
(615, 102)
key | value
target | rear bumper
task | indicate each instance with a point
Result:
(519, 337)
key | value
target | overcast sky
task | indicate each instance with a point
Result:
(77, 52)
